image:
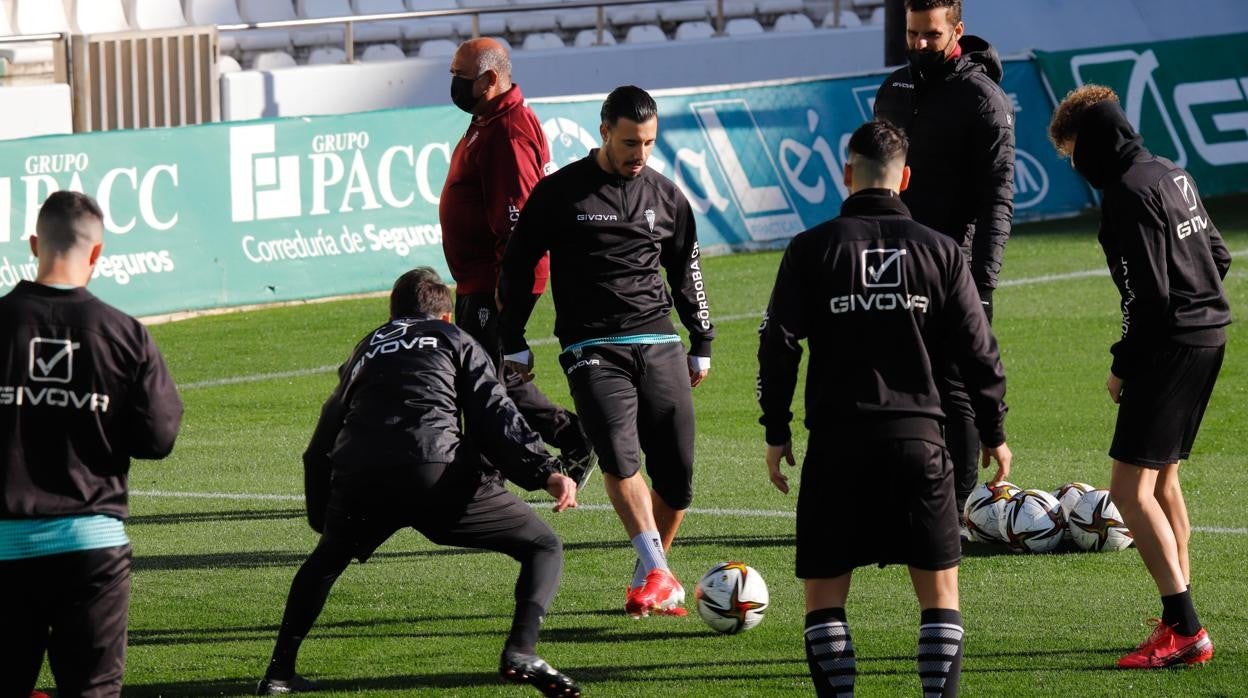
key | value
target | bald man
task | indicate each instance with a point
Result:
(494, 167)
(83, 389)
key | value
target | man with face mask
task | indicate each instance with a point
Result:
(960, 123)
(609, 224)
(493, 169)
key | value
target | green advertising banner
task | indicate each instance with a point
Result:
(1189, 99)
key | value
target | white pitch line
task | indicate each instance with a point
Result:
(714, 511)
(757, 315)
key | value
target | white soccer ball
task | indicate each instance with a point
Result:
(984, 509)
(1033, 522)
(1095, 523)
(732, 597)
(1068, 495)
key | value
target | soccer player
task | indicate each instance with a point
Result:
(1168, 262)
(493, 169)
(884, 303)
(391, 438)
(83, 389)
(960, 124)
(609, 224)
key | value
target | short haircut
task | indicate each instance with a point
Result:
(60, 224)
(628, 102)
(954, 7)
(495, 59)
(1069, 116)
(419, 293)
(879, 143)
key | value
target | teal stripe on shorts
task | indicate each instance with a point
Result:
(625, 339)
(26, 538)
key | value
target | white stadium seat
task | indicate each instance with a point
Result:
(743, 26)
(393, 30)
(283, 10)
(582, 18)
(203, 12)
(415, 29)
(26, 53)
(327, 55)
(589, 37)
(737, 8)
(365, 32)
(39, 17)
(779, 7)
(273, 60)
(877, 17)
(382, 52)
(227, 64)
(437, 48)
(155, 14)
(849, 20)
(793, 23)
(686, 11)
(493, 23)
(541, 41)
(694, 30)
(99, 16)
(525, 21)
(644, 34)
(633, 14)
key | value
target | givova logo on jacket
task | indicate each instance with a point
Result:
(51, 361)
(879, 268)
(1197, 222)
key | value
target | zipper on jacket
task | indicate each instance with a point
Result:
(621, 182)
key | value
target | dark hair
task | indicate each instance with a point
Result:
(419, 293)
(57, 226)
(954, 7)
(880, 142)
(629, 102)
(1068, 116)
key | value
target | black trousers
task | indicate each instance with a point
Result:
(961, 436)
(459, 509)
(73, 606)
(477, 314)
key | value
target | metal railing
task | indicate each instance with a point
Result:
(61, 70)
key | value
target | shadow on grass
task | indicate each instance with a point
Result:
(214, 516)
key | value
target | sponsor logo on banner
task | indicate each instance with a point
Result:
(1130, 74)
(754, 180)
(1031, 180)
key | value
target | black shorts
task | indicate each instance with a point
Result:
(1159, 411)
(463, 509)
(74, 606)
(875, 502)
(635, 399)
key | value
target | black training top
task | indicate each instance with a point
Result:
(961, 129)
(885, 304)
(607, 237)
(83, 389)
(1164, 253)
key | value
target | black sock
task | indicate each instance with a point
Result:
(940, 652)
(308, 592)
(1178, 612)
(830, 652)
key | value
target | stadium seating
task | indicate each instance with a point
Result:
(694, 30)
(281, 11)
(40, 16)
(792, 23)
(775, 8)
(199, 12)
(493, 23)
(33, 56)
(227, 64)
(526, 21)
(272, 60)
(155, 14)
(97, 16)
(327, 55)
(849, 20)
(382, 52)
(686, 11)
(437, 48)
(589, 37)
(633, 14)
(743, 26)
(541, 41)
(877, 17)
(644, 34)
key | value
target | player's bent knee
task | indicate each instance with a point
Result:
(676, 497)
(548, 542)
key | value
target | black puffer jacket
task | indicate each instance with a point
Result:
(1164, 253)
(961, 129)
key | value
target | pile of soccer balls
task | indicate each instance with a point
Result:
(1039, 522)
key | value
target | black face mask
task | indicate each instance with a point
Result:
(926, 63)
(461, 93)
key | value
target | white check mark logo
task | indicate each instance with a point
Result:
(890, 261)
(47, 366)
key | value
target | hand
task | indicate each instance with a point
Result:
(520, 363)
(699, 366)
(1002, 455)
(563, 489)
(1114, 385)
(774, 454)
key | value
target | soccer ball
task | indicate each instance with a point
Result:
(984, 509)
(732, 597)
(1068, 495)
(1033, 522)
(1095, 523)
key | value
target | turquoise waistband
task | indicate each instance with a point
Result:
(25, 538)
(624, 339)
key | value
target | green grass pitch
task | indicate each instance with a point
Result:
(211, 573)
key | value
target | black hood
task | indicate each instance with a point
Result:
(976, 51)
(1106, 144)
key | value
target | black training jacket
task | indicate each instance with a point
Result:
(83, 389)
(884, 304)
(1164, 253)
(607, 237)
(961, 129)
(398, 405)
